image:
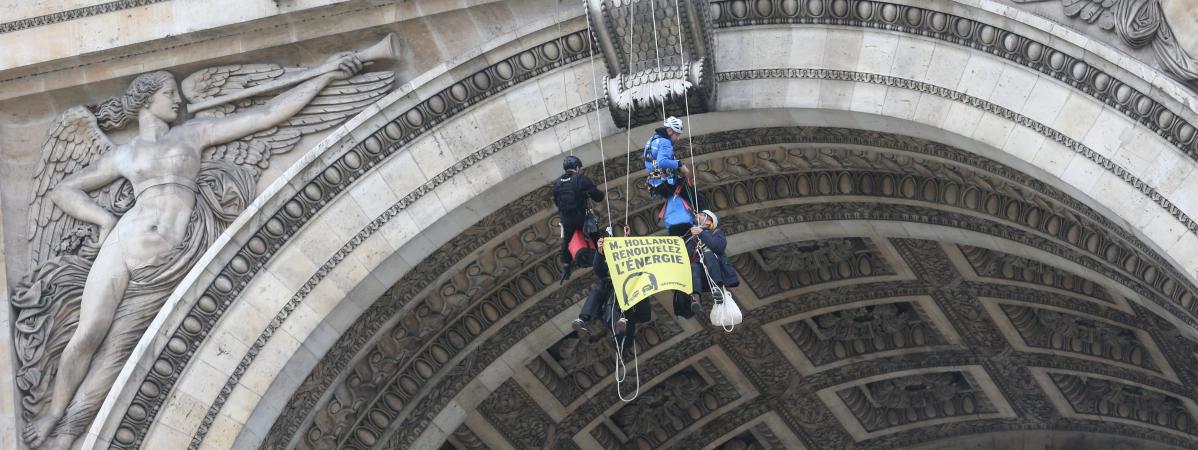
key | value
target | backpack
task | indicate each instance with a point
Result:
(566, 195)
(676, 211)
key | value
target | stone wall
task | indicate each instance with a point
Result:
(313, 261)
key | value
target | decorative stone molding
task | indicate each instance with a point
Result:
(992, 264)
(976, 35)
(864, 330)
(828, 261)
(1022, 120)
(671, 406)
(909, 399)
(77, 13)
(659, 56)
(1104, 398)
(575, 364)
(1138, 23)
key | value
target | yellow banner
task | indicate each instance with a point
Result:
(643, 266)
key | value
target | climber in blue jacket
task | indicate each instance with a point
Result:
(661, 165)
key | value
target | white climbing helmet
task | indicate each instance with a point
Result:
(714, 220)
(674, 123)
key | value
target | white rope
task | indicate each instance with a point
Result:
(628, 126)
(621, 367)
(656, 49)
(687, 103)
(717, 293)
(561, 52)
(621, 370)
(595, 134)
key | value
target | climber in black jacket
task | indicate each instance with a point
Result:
(572, 194)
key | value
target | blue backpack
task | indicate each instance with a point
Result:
(676, 211)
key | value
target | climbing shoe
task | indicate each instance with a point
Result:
(621, 325)
(565, 273)
(580, 327)
(696, 307)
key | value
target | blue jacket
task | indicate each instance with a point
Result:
(660, 150)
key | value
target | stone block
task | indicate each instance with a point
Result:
(912, 57)
(842, 50)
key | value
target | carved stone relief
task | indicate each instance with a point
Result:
(115, 227)
(659, 56)
(993, 264)
(1062, 331)
(1138, 23)
(464, 439)
(575, 364)
(667, 409)
(906, 399)
(854, 332)
(985, 37)
(777, 269)
(1109, 398)
(520, 421)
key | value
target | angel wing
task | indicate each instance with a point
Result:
(74, 142)
(338, 101)
(1092, 11)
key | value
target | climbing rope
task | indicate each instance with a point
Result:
(656, 49)
(598, 120)
(621, 369)
(561, 51)
(628, 128)
(717, 293)
(687, 104)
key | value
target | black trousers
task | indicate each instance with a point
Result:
(714, 268)
(600, 305)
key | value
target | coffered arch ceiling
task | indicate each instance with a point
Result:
(929, 210)
(892, 288)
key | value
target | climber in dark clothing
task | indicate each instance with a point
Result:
(572, 194)
(600, 304)
(709, 242)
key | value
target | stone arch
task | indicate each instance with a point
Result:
(273, 325)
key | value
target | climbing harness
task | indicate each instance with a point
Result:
(721, 314)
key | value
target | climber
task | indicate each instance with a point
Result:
(660, 162)
(599, 304)
(707, 247)
(572, 194)
(669, 179)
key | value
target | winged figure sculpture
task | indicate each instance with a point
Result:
(114, 227)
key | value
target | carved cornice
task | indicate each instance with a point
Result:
(77, 13)
(1138, 23)
(660, 57)
(977, 35)
(984, 105)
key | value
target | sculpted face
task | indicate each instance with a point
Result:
(165, 103)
